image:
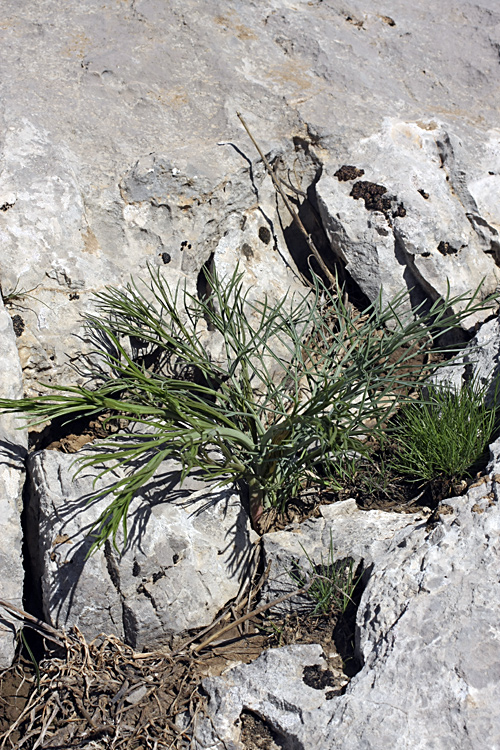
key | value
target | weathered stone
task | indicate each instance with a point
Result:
(478, 362)
(13, 445)
(120, 143)
(428, 639)
(112, 116)
(411, 223)
(272, 686)
(342, 531)
(185, 556)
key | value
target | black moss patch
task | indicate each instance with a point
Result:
(376, 199)
(348, 172)
(18, 325)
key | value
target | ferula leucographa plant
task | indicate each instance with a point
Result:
(300, 383)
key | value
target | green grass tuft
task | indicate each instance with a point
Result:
(443, 436)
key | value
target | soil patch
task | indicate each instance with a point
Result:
(70, 437)
(104, 695)
(15, 687)
(257, 734)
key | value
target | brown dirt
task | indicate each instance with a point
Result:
(69, 437)
(104, 695)
(256, 734)
(15, 686)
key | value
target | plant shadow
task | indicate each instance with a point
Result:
(61, 532)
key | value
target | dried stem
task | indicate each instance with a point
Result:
(331, 278)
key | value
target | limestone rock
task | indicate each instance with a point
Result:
(272, 686)
(342, 531)
(13, 445)
(123, 147)
(409, 222)
(478, 361)
(186, 553)
(427, 637)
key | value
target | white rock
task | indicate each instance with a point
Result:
(272, 687)
(428, 237)
(478, 362)
(187, 551)
(343, 531)
(13, 445)
(429, 641)
(110, 160)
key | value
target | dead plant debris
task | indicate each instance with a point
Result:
(104, 695)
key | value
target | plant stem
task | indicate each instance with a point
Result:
(331, 278)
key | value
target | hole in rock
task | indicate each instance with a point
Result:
(318, 678)
(18, 325)
(257, 734)
(247, 250)
(264, 235)
(445, 248)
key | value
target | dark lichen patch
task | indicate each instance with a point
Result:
(18, 325)
(446, 249)
(348, 172)
(264, 235)
(318, 678)
(374, 195)
(166, 257)
(376, 199)
(247, 250)
(5, 206)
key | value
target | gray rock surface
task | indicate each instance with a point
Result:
(186, 553)
(119, 147)
(409, 222)
(13, 445)
(342, 531)
(272, 686)
(428, 638)
(112, 114)
(480, 361)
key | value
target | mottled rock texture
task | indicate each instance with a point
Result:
(342, 531)
(13, 444)
(428, 638)
(479, 362)
(272, 686)
(120, 146)
(411, 221)
(187, 550)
